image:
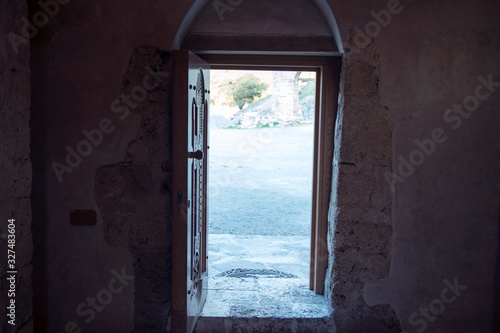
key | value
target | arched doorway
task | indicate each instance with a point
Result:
(281, 35)
(250, 27)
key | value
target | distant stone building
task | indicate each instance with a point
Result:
(285, 97)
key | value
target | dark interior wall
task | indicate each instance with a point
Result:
(16, 171)
(496, 300)
(445, 204)
(133, 195)
(84, 61)
(444, 212)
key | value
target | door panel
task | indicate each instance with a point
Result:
(189, 184)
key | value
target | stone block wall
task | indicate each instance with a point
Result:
(134, 195)
(360, 224)
(15, 166)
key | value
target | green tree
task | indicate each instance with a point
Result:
(245, 90)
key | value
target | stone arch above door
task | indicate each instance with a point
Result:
(293, 26)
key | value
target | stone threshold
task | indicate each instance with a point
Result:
(243, 325)
(263, 297)
(261, 284)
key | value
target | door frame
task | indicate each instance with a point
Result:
(328, 74)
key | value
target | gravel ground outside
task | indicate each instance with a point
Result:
(260, 181)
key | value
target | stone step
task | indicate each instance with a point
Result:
(244, 325)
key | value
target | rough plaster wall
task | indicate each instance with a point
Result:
(444, 213)
(360, 225)
(79, 62)
(15, 166)
(134, 195)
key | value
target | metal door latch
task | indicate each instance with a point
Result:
(196, 154)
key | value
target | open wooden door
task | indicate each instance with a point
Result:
(189, 188)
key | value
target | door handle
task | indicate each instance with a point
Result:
(196, 154)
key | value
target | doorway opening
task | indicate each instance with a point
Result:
(261, 161)
(259, 35)
(190, 156)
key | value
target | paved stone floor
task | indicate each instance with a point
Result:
(259, 233)
(261, 276)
